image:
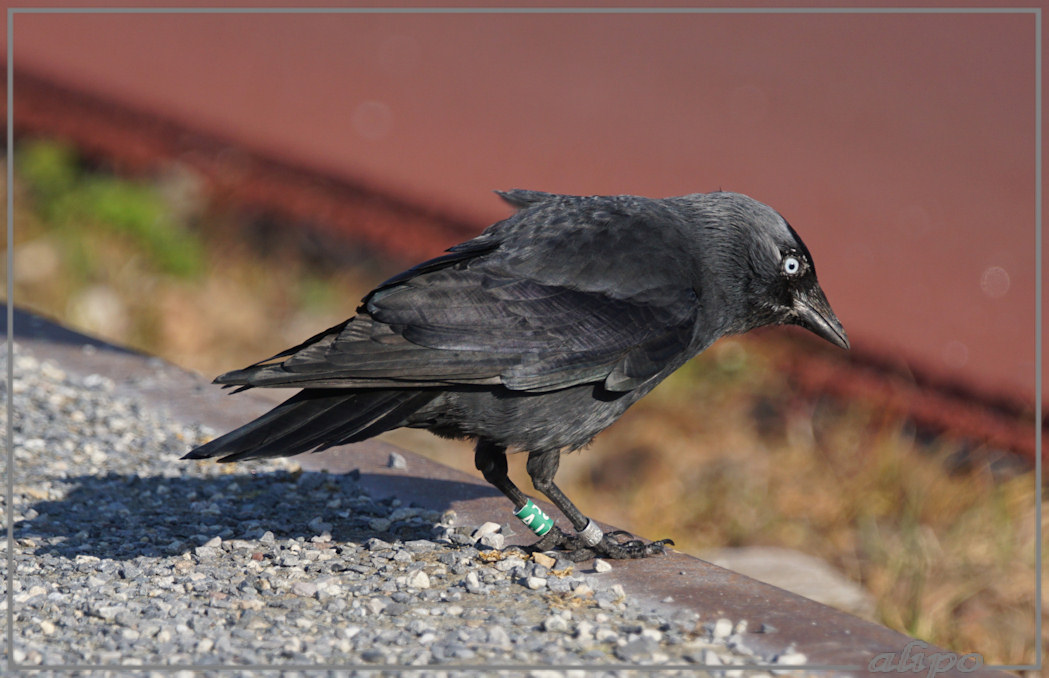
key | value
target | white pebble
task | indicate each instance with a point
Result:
(652, 634)
(602, 566)
(497, 636)
(485, 528)
(555, 623)
(792, 658)
(722, 628)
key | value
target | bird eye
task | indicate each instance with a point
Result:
(791, 265)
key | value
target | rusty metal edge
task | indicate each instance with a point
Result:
(139, 141)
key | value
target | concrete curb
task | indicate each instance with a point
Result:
(776, 619)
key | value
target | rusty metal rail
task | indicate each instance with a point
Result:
(136, 141)
(884, 381)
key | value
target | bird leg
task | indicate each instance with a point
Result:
(589, 541)
(490, 460)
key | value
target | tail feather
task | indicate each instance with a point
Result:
(314, 420)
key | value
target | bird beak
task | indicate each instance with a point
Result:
(813, 312)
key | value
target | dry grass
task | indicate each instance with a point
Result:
(722, 454)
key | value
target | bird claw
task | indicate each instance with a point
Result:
(611, 546)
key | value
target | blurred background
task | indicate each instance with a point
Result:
(212, 188)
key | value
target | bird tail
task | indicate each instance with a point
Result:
(314, 420)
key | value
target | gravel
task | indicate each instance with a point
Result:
(126, 555)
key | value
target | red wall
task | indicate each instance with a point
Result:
(901, 146)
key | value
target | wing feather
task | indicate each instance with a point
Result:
(463, 320)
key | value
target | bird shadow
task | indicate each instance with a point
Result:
(31, 326)
(123, 517)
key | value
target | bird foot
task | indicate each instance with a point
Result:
(618, 545)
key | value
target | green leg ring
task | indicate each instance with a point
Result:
(533, 516)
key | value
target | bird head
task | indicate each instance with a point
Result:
(767, 273)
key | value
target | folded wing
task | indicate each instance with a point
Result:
(459, 325)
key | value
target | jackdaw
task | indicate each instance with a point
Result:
(538, 334)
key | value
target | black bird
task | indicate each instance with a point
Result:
(538, 334)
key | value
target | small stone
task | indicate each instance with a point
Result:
(497, 636)
(602, 566)
(379, 524)
(507, 564)
(485, 528)
(318, 525)
(652, 634)
(305, 589)
(419, 580)
(206, 552)
(492, 540)
(792, 658)
(544, 560)
(635, 650)
(397, 461)
(722, 628)
(555, 623)
(108, 612)
(535, 583)
(47, 627)
(420, 545)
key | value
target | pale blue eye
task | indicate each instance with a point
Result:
(791, 265)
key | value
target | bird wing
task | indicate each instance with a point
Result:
(458, 325)
(542, 337)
